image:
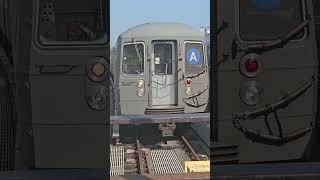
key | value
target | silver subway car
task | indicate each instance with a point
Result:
(160, 68)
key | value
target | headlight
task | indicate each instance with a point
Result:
(97, 99)
(97, 69)
(250, 93)
(140, 84)
(140, 88)
(188, 90)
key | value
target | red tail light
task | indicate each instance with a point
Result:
(251, 65)
(188, 82)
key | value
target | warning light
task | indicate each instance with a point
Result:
(250, 93)
(140, 88)
(188, 82)
(251, 65)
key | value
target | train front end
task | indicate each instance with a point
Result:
(162, 69)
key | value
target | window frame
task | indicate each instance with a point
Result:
(237, 24)
(128, 76)
(205, 64)
(101, 42)
(172, 57)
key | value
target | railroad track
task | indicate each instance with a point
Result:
(162, 160)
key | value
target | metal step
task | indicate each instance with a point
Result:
(165, 161)
(224, 153)
(164, 109)
(116, 160)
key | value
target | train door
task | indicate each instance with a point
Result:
(132, 78)
(69, 84)
(163, 74)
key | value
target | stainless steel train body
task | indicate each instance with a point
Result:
(160, 68)
(267, 74)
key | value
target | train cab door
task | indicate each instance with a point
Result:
(163, 74)
(68, 83)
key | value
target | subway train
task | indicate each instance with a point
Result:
(54, 58)
(266, 74)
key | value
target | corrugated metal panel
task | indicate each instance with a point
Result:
(165, 162)
(116, 160)
(7, 115)
(6, 130)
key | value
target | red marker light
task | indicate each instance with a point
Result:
(188, 82)
(251, 65)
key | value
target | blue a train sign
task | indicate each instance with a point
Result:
(193, 56)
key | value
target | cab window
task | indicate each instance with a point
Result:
(133, 59)
(194, 58)
(65, 21)
(263, 20)
(163, 59)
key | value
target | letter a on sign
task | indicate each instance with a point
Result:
(193, 56)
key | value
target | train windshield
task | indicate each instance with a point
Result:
(262, 20)
(133, 59)
(194, 57)
(66, 21)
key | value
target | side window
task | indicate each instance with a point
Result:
(133, 59)
(194, 58)
(264, 20)
(69, 21)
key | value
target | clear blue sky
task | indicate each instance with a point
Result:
(127, 13)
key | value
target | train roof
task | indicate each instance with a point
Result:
(162, 29)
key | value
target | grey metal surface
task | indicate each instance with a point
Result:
(268, 170)
(165, 162)
(160, 118)
(155, 29)
(7, 128)
(56, 174)
(116, 160)
(203, 130)
(59, 76)
(285, 69)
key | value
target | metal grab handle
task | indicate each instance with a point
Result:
(257, 136)
(282, 103)
(55, 68)
(278, 43)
